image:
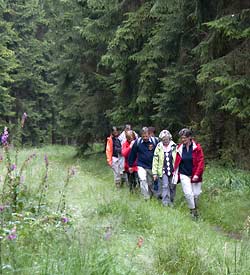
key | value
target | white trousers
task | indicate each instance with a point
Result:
(146, 181)
(117, 169)
(190, 190)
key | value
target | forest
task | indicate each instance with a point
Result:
(72, 69)
(77, 67)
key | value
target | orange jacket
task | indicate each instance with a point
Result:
(109, 150)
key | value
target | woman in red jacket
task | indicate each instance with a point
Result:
(126, 149)
(188, 169)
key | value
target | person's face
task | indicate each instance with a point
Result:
(185, 140)
(129, 138)
(115, 133)
(165, 141)
(128, 128)
(145, 137)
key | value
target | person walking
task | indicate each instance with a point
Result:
(113, 154)
(123, 138)
(143, 151)
(126, 149)
(163, 165)
(151, 131)
(189, 168)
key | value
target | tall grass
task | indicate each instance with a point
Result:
(115, 232)
(225, 200)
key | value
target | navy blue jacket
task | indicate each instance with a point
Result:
(144, 152)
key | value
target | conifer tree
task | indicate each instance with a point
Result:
(29, 86)
(8, 64)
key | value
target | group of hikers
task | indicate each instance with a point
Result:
(157, 164)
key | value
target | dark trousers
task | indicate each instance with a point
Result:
(133, 180)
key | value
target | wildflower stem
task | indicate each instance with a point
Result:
(43, 184)
(1, 267)
(62, 197)
(1, 270)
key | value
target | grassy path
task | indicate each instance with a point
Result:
(173, 244)
(107, 224)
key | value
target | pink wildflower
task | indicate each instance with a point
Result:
(13, 167)
(46, 160)
(23, 119)
(12, 235)
(64, 220)
(5, 135)
(108, 234)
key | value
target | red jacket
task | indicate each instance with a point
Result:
(125, 152)
(198, 162)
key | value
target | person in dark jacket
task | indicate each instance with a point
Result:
(143, 151)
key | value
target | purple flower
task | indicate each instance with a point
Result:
(107, 234)
(23, 119)
(5, 136)
(64, 220)
(12, 237)
(46, 160)
(1, 208)
(24, 116)
(12, 234)
(13, 167)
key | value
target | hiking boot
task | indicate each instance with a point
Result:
(194, 214)
(196, 202)
(118, 184)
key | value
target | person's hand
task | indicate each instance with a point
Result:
(195, 178)
(155, 177)
(130, 169)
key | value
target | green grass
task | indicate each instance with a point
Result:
(107, 223)
(225, 201)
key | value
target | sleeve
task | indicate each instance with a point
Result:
(155, 163)
(200, 163)
(174, 153)
(133, 154)
(109, 151)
